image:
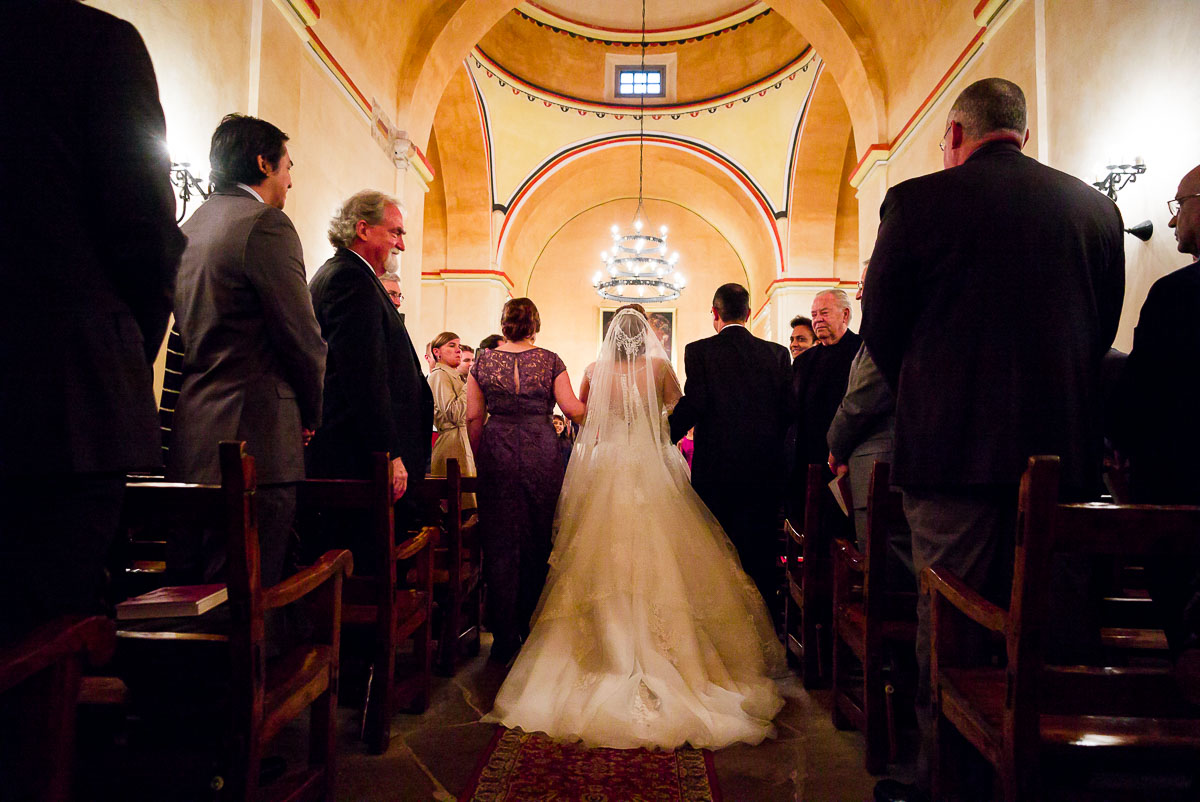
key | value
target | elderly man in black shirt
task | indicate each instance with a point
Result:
(819, 375)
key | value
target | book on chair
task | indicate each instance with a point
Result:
(170, 602)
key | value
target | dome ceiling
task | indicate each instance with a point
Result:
(622, 18)
(572, 64)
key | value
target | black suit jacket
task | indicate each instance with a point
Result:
(90, 244)
(737, 395)
(1158, 393)
(819, 377)
(995, 288)
(376, 397)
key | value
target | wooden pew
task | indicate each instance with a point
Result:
(264, 695)
(808, 609)
(874, 626)
(1029, 718)
(39, 685)
(396, 604)
(457, 575)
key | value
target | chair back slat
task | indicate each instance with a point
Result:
(173, 503)
(1130, 530)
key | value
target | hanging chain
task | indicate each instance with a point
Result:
(642, 117)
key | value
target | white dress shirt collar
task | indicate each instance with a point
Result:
(251, 191)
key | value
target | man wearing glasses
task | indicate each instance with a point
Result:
(1157, 426)
(995, 288)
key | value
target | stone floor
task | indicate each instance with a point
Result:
(433, 756)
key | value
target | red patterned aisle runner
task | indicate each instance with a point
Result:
(521, 767)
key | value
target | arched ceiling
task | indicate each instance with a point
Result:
(663, 17)
(575, 67)
(445, 32)
(671, 175)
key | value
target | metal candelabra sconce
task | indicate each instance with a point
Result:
(186, 185)
(1119, 175)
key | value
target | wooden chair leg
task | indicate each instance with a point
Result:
(874, 712)
(893, 738)
(322, 737)
(423, 653)
(379, 700)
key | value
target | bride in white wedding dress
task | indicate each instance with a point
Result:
(648, 632)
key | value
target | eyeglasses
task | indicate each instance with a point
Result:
(1174, 204)
(942, 143)
(395, 295)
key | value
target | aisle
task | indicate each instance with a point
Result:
(433, 756)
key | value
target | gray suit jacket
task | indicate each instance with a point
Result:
(254, 360)
(864, 425)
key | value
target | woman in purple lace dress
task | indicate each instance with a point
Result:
(519, 468)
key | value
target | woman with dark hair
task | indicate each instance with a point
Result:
(450, 410)
(520, 473)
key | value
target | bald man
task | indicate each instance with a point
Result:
(1158, 427)
(994, 291)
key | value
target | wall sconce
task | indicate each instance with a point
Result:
(1143, 230)
(1119, 175)
(186, 185)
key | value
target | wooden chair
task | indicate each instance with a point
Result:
(1028, 717)
(457, 573)
(265, 695)
(394, 605)
(874, 625)
(40, 678)
(808, 610)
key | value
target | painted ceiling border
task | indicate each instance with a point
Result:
(546, 18)
(797, 134)
(758, 88)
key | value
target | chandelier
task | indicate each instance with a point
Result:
(638, 268)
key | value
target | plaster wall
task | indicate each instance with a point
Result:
(1091, 103)
(207, 56)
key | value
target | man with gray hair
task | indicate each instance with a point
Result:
(376, 398)
(819, 376)
(994, 291)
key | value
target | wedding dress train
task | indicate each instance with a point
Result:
(648, 632)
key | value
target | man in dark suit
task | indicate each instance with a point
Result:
(819, 375)
(82, 155)
(737, 396)
(253, 355)
(1157, 425)
(376, 397)
(994, 291)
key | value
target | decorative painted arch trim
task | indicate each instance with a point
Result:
(481, 105)
(705, 152)
(759, 88)
(797, 133)
(578, 29)
(990, 16)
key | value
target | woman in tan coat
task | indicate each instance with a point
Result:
(450, 410)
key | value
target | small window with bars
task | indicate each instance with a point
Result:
(637, 81)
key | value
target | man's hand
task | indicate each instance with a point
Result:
(838, 468)
(399, 479)
(307, 434)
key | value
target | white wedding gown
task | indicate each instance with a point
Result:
(648, 632)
